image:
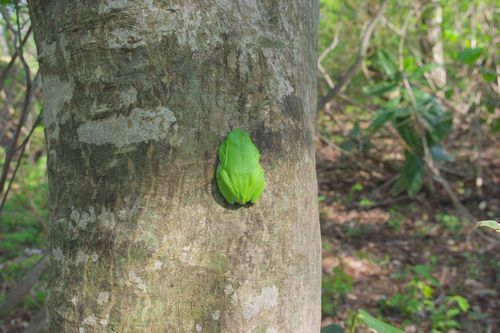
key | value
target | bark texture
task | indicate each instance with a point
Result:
(138, 96)
(433, 18)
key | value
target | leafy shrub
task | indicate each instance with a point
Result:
(335, 288)
(419, 300)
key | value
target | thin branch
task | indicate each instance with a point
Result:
(24, 113)
(12, 149)
(327, 77)
(7, 69)
(391, 26)
(333, 45)
(330, 48)
(363, 48)
(22, 147)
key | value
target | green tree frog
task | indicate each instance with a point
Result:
(240, 177)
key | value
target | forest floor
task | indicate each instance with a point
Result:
(412, 262)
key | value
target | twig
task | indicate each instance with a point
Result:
(353, 156)
(6, 70)
(332, 145)
(323, 54)
(24, 112)
(327, 77)
(22, 147)
(376, 192)
(331, 47)
(363, 48)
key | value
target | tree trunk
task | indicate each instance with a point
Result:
(138, 97)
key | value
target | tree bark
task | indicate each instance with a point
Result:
(433, 18)
(138, 97)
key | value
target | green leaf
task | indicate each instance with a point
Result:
(366, 203)
(452, 312)
(333, 328)
(451, 35)
(438, 153)
(437, 122)
(387, 63)
(379, 88)
(490, 224)
(412, 175)
(386, 113)
(463, 304)
(405, 128)
(424, 271)
(381, 117)
(469, 56)
(489, 76)
(450, 323)
(495, 126)
(377, 325)
(424, 69)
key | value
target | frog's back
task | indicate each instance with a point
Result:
(240, 160)
(241, 154)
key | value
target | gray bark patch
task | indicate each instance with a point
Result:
(140, 126)
(57, 93)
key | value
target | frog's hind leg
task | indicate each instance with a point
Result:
(259, 188)
(225, 186)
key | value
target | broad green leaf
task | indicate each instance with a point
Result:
(489, 76)
(366, 203)
(451, 35)
(463, 304)
(404, 126)
(386, 113)
(333, 328)
(452, 312)
(376, 325)
(381, 117)
(437, 122)
(490, 224)
(411, 176)
(438, 153)
(379, 88)
(469, 56)
(424, 69)
(495, 126)
(386, 62)
(423, 270)
(449, 323)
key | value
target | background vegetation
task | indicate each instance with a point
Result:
(407, 155)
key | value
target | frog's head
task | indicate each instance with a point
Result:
(238, 134)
